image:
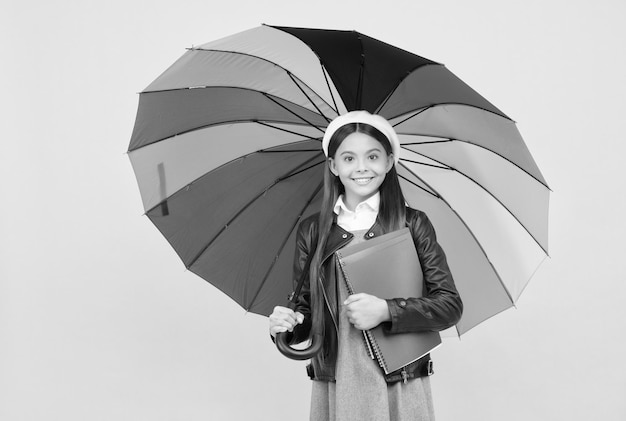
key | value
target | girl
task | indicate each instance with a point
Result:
(362, 200)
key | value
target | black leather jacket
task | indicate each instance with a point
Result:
(439, 308)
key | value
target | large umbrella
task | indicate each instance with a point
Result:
(227, 153)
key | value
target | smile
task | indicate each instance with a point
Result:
(363, 180)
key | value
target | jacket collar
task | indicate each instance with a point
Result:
(338, 237)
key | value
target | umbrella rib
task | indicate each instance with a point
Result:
(217, 123)
(282, 246)
(292, 112)
(382, 105)
(441, 104)
(359, 90)
(418, 112)
(428, 142)
(206, 126)
(287, 131)
(448, 140)
(297, 170)
(186, 186)
(447, 167)
(289, 151)
(432, 193)
(512, 304)
(291, 76)
(442, 166)
(325, 73)
(301, 170)
(482, 250)
(408, 72)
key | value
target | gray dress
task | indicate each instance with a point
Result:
(360, 391)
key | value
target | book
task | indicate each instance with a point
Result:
(388, 267)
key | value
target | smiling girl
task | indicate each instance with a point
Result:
(362, 200)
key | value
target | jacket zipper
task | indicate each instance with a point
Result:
(326, 300)
(405, 375)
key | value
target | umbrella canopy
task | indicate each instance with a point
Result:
(227, 153)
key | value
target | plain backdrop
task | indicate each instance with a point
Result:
(99, 320)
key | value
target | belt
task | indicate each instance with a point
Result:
(420, 368)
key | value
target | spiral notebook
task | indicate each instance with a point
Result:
(388, 267)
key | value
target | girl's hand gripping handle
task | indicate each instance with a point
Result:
(282, 321)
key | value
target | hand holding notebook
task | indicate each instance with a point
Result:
(388, 267)
(366, 311)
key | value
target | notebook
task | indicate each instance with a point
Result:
(388, 267)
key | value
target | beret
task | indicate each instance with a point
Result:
(373, 120)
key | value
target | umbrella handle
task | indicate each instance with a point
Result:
(299, 354)
(317, 341)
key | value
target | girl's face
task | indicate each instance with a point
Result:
(361, 164)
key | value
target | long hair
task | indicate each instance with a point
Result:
(391, 213)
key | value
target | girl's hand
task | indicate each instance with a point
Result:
(284, 319)
(366, 311)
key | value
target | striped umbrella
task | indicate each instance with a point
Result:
(227, 153)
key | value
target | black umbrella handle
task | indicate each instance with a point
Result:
(299, 354)
(317, 341)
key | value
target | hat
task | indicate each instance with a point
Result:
(365, 117)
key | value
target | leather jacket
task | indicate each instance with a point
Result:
(439, 308)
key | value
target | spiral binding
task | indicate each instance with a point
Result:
(372, 346)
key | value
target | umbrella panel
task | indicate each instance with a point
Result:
(507, 183)
(429, 86)
(512, 252)
(260, 276)
(166, 114)
(214, 224)
(165, 167)
(199, 68)
(478, 127)
(364, 70)
(479, 286)
(287, 52)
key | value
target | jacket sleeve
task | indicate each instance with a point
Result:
(441, 306)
